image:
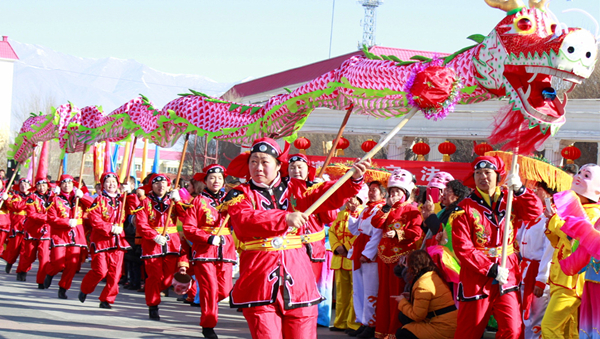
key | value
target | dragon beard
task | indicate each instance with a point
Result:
(510, 125)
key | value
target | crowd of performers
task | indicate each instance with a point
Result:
(408, 262)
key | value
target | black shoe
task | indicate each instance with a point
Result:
(209, 332)
(354, 333)
(336, 329)
(153, 312)
(82, 296)
(48, 280)
(22, 276)
(105, 304)
(8, 268)
(194, 305)
(41, 286)
(368, 333)
(62, 293)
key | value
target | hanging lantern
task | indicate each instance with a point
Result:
(368, 145)
(571, 153)
(302, 144)
(343, 143)
(421, 149)
(447, 149)
(482, 148)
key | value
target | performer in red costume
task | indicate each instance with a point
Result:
(16, 205)
(161, 253)
(4, 216)
(400, 222)
(485, 288)
(37, 231)
(106, 241)
(213, 249)
(276, 288)
(68, 237)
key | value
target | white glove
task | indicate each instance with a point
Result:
(78, 193)
(57, 190)
(175, 195)
(216, 240)
(127, 188)
(4, 196)
(513, 181)
(72, 223)
(161, 240)
(116, 229)
(502, 275)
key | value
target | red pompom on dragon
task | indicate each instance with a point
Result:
(517, 60)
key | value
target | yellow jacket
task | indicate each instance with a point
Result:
(563, 247)
(430, 293)
(339, 235)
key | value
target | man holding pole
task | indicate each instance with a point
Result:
(161, 245)
(276, 288)
(485, 287)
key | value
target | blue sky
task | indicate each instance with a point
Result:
(230, 40)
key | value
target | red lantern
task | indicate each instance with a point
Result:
(482, 148)
(342, 144)
(368, 145)
(421, 149)
(571, 153)
(302, 144)
(447, 148)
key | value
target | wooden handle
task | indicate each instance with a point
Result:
(509, 201)
(76, 210)
(185, 145)
(12, 179)
(336, 141)
(125, 179)
(369, 155)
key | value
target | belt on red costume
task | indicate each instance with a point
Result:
(496, 252)
(286, 242)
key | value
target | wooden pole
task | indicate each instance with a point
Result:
(76, 207)
(33, 173)
(144, 160)
(10, 182)
(185, 144)
(124, 181)
(335, 142)
(509, 200)
(369, 155)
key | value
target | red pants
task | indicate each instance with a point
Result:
(13, 248)
(29, 251)
(160, 272)
(214, 285)
(65, 259)
(473, 316)
(386, 312)
(107, 264)
(3, 237)
(274, 322)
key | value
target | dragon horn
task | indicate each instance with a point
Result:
(539, 4)
(506, 5)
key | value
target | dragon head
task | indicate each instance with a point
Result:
(526, 53)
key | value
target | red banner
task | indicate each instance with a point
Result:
(423, 170)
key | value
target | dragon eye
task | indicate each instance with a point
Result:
(524, 24)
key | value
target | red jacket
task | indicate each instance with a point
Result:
(477, 231)
(18, 213)
(36, 224)
(103, 214)
(60, 211)
(405, 220)
(200, 225)
(150, 220)
(4, 215)
(273, 253)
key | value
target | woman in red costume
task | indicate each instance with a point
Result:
(68, 237)
(213, 250)
(107, 242)
(276, 288)
(16, 205)
(402, 234)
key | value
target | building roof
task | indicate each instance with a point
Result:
(311, 71)
(6, 50)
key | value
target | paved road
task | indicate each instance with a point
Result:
(27, 312)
